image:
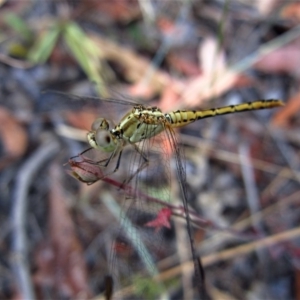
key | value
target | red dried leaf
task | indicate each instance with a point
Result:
(162, 219)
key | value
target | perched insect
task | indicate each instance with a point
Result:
(139, 128)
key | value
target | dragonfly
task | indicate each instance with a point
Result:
(139, 129)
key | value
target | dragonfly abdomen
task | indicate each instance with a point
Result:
(181, 118)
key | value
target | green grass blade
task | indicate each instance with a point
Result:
(43, 47)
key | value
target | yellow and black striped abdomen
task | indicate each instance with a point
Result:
(181, 117)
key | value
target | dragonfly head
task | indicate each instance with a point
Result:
(100, 137)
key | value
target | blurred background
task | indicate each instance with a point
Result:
(242, 169)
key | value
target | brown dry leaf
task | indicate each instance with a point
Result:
(13, 135)
(141, 89)
(203, 88)
(44, 259)
(183, 63)
(284, 115)
(265, 7)
(211, 57)
(170, 97)
(283, 60)
(133, 64)
(215, 79)
(123, 11)
(166, 25)
(61, 263)
(291, 11)
(81, 119)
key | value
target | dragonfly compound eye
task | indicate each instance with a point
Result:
(100, 123)
(104, 140)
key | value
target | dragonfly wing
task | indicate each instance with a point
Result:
(144, 237)
(181, 174)
(91, 99)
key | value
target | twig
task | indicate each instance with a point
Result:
(287, 153)
(250, 186)
(222, 256)
(253, 199)
(236, 251)
(266, 49)
(19, 216)
(233, 157)
(15, 63)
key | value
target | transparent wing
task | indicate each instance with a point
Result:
(145, 234)
(181, 176)
(58, 101)
(91, 99)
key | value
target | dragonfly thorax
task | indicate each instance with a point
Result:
(140, 124)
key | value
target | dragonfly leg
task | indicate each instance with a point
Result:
(126, 181)
(144, 165)
(79, 155)
(108, 161)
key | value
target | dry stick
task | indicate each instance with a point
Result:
(178, 211)
(133, 64)
(274, 186)
(19, 259)
(222, 256)
(15, 63)
(270, 210)
(84, 168)
(288, 154)
(226, 254)
(253, 198)
(221, 238)
(267, 48)
(249, 182)
(235, 252)
(234, 158)
(183, 252)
